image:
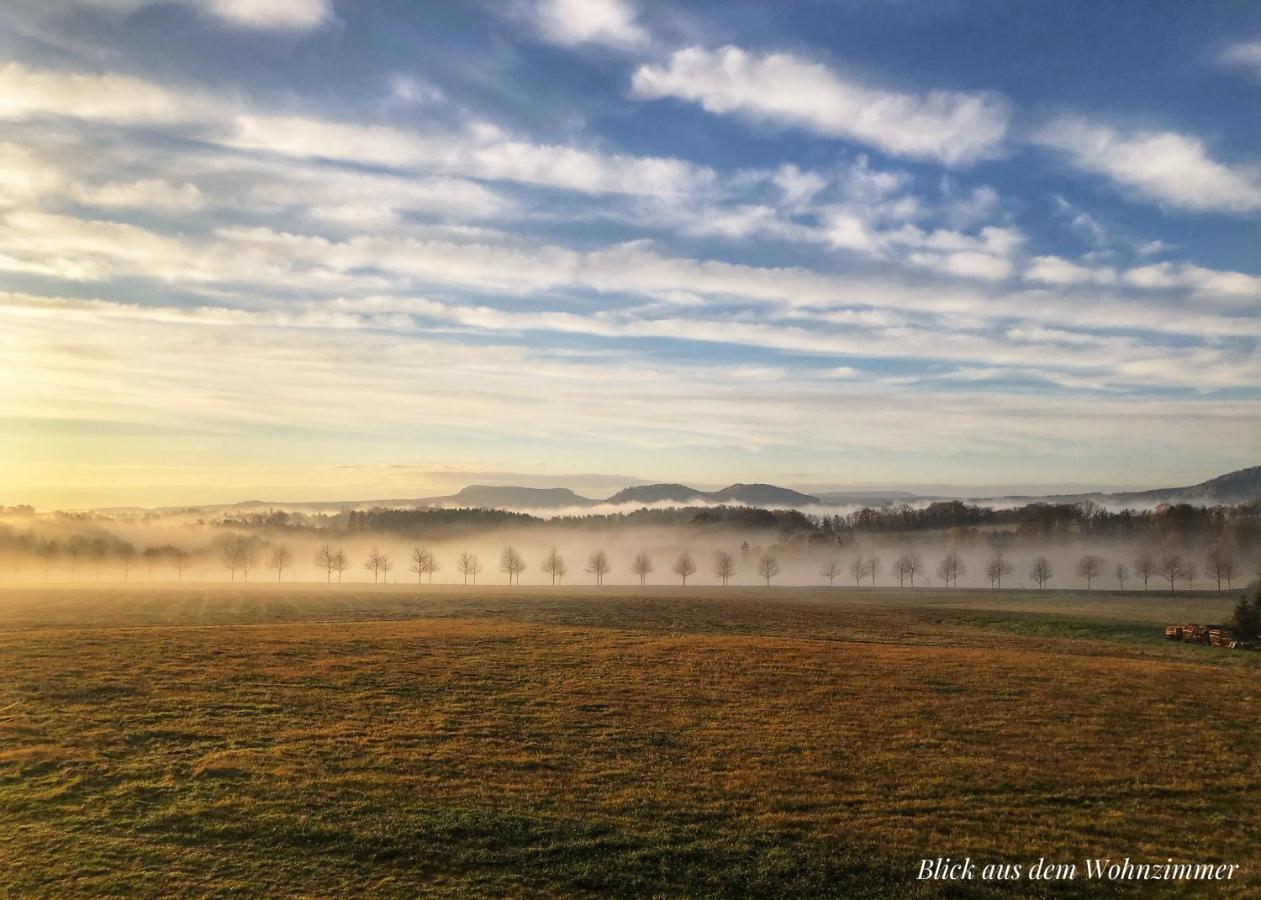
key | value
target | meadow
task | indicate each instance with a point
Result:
(446, 741)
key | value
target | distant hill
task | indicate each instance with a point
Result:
(1233, 487)
(509, 497)
(764, 495)
(657, 493)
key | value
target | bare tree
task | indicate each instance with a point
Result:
(340, 564)
(1222, 565)
(1122, 573)
(1042, 571)
(1089, 567)
(251, 550)
(950, 568)
(902, 569)
(830, 571)
(996, 568)
(1171, 568)
(873, 569)
(230, 554)
(468, 566)
(554, 565)
(768, 567)
(641, 565)
(326, 559)
(512, 565)
(281, 558)
(97, 549)
(598, 565)
(858, 569)
(376, 564)
(1190, 573)
(151, 556)
(126, 555)
(421, 562)
(684, 566)
(179, 556)
(1145, 567)
(724, 566)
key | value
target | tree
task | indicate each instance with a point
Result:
(1041, 571)
(281, 558)
(829, 571)
(684, 566)
(340, 564)
(421, 563)
(126, 554)
(1089, 567)
(97, 549)
(598, 565)
(1145, 566)
(1171, 568)
(1190, 573)
(768, 567)
(641, 565)
(858, 569)
(1222, 566)
(231, 551)
(1246, 621)
(950, 568)
(376, 564)
(179, 556)
(996, 568)
(512, 565)
(468, 566)
(873, 569)
(554, 565)
(151, 557)
(326, 559)
(1121, 573)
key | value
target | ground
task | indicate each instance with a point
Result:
(597, 741)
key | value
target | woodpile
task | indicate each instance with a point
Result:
(1220, 637)
(1213, 635)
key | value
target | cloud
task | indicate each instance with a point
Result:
(1058, 271)
(271, 15)
(571, 22)
(950, 127)
(1164, 166)
(1246, 55)
(27, 92)
(1166, 275)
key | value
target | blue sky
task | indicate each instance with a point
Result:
(304, 249)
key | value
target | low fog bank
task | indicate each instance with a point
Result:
(940, 544)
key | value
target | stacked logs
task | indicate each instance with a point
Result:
(1213, 635)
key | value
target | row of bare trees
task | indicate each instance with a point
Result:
(241, 554)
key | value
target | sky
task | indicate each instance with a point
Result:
(322, 249)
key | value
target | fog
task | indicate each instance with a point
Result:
(56, 548)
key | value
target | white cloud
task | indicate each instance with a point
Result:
(270, 15)
(1059, 271)
(1246, 55)
(569, 22)
(147, 193)
(1195, 278)
(1161, 165)
(951, 127)
(966, 264)
(27, 92)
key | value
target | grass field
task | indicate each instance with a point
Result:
(481, 741)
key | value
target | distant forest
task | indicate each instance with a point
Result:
(1039, 522)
